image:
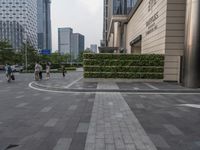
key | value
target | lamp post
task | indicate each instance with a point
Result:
(192, 46)
(26, 53)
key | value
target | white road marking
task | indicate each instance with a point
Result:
(151, 86)
(136, 88)
(21, 105)
(1, 81)
(73, 83)
(191, 105)
(18, 97)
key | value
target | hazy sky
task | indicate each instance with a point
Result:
(84, 16)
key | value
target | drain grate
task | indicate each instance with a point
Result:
(11, 146)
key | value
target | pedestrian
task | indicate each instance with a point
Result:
(37, 71)
(40, 72)
(8, 70)
(63, 71)
(48, 71)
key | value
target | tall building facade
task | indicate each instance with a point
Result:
(44, 24)
(64, 40)
(114, 9)
(93, 47)
(78, 45)
(168, 27)
(18, 22)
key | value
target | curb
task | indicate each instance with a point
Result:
(118, 90)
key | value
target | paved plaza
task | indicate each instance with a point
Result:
(73, 113)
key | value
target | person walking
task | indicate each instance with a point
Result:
(37, 71)
(63, 71)
(40, 72)
(8, 70)
(48, 71)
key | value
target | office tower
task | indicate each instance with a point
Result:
(64, 40)
(93, 47)
(105, 23)
(113, 9)
(78, 45)
(18, 22)
(44, 24)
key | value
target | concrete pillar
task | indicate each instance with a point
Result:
(117, 34)
(191, 68)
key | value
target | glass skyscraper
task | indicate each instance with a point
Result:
(44, 24)
(18, 22)
(64, 40)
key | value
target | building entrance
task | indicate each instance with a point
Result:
(136, 45)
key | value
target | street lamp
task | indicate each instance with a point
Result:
(25, 48)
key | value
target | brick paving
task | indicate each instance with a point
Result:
(35, 120)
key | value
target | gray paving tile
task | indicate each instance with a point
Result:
(159, 141)
(140, 106)
(82, 128)
(63, 144)
(47, 98)
(174, 114)
(51, 123)
(46, 109)
(110, 147)
(100, 144)
(21, 105)
(73, 107)
(197, 143)
(130, 147)
(173, 130)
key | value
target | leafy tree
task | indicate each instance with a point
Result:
(6, 52)
(32, 53)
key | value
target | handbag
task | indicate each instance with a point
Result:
(12, 77)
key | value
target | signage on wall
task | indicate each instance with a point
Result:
(151, 25)
(152, 3)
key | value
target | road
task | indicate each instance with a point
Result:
(36, 120)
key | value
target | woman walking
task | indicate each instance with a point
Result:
(48, 71)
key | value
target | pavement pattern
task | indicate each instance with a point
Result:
(36, 120)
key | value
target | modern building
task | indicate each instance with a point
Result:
(44, 24)
(93, 47)
(64, 40)
(169, 27)
(18, 22)
(78, 45)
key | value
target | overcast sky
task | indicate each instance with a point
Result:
(84, 16)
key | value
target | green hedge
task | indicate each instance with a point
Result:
(127, 75)
(123, 66)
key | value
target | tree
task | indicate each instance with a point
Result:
(32, 53)
(7, 53)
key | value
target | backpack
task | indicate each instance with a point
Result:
(9, 69)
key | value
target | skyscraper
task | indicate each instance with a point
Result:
(18, 22)
(44, 24)
(93, 47)
(115, 10)
(78, 45)
(64, 40)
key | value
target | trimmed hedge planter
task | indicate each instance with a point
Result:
(123, 66)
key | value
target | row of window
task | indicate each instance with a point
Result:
(13, 3)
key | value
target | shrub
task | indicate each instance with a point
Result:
(123, 66)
